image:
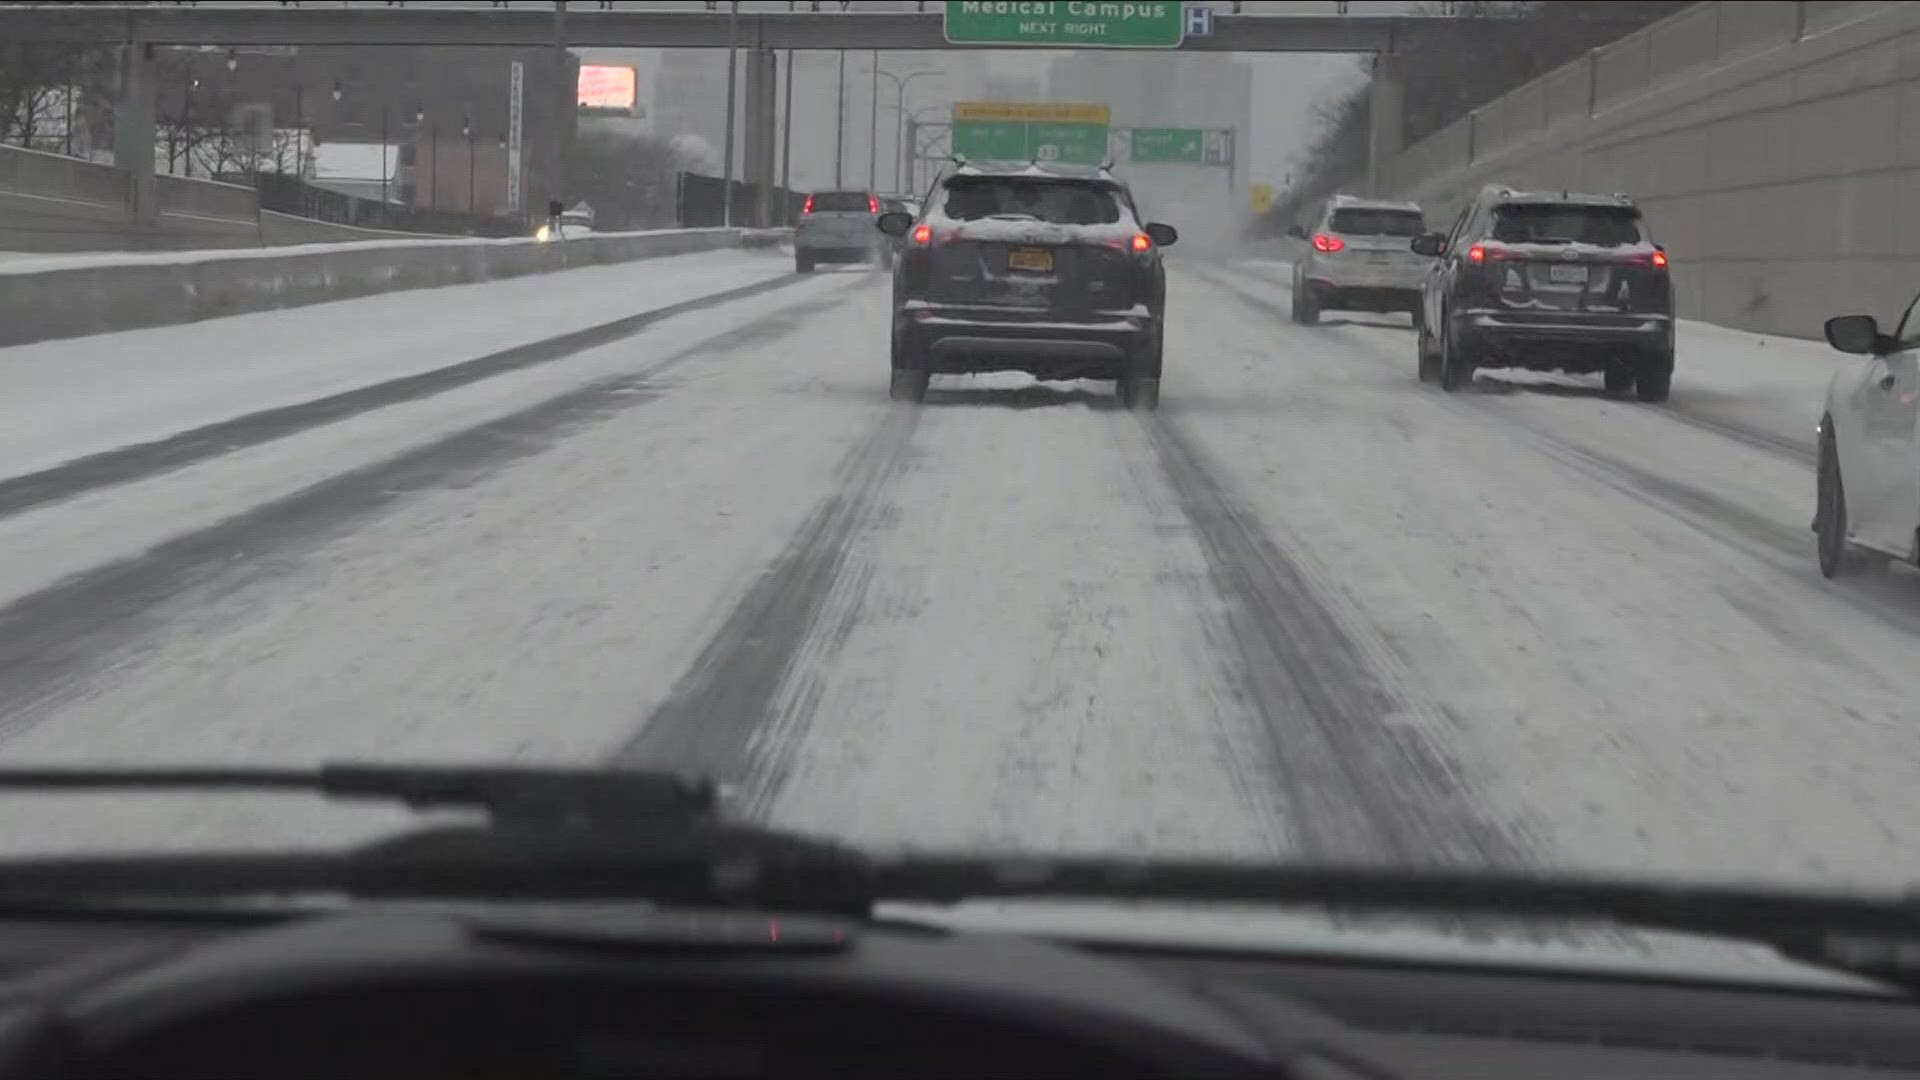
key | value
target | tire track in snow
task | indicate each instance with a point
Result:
(1798, 452)
(53, 640)
(1782, 548)
(140, 461)
(1358, 780)
(727, 717)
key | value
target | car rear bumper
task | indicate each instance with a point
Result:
(1362, 275)
(958, 340)
(1365, 297)
(1557, 339)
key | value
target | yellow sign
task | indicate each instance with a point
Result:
(1029, 113)
(1262, 198)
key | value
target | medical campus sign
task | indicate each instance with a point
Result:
(1055, 24)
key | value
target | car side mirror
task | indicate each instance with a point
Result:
(1296, 232)
(1162, 235)
(1432, 245)
(894, 223)
(1856, 334)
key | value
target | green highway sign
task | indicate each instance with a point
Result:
(1183, 145)
(1054, 24)
(1008, 131)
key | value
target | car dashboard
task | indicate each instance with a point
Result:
(605, 993)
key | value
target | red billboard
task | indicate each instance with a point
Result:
(607, 89)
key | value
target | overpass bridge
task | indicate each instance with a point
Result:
(139, 28)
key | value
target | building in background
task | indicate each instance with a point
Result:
(443, 111)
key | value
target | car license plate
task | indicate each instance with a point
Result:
(1567, 275)
(1380, 258)
(1037, 260)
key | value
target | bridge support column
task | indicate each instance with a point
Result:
(762, 127)
(1386, 120)
(133, 131)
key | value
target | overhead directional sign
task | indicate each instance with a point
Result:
(1169, 145)
(1016, 131)
(1055, 24)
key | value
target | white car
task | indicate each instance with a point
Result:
(1868, 489)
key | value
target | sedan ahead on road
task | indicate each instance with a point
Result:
(837, 226)
(1045, 269)
(1866, 498)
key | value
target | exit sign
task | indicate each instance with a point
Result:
(1057, 24)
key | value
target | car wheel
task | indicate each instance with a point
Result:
(1307, 311)
(802, 264)
(1138, 392)
(1654, 381)
(1425, 351)
(1619, 380)
(908, 385)
(1830, 510)
(1456, 367)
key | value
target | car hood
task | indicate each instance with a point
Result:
(1425, 940)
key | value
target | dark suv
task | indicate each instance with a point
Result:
(1548, 281)
(1044, 269)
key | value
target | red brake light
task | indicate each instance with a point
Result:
(1477, 254)
(1659, 259)
(1328, 244)
(873, 205)
(923, 235)
(807, 207)
(1141, 242)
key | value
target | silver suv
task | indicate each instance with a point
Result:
(837, 226)
(1360, 258)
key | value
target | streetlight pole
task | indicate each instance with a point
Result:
(873, 124)
(384, 170)
(900, 118)
(840, 123)
(466, 129)
(726, 181)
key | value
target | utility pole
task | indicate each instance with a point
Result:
(840, 125)
(566, 103)
(726, 181)
(873, 125)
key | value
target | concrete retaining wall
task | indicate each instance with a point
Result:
(99, 294)
(54, 203)
(1774, 146)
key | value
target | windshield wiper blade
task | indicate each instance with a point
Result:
(503, 791)
(600, 834)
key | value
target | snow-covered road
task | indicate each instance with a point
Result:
(1309, 608)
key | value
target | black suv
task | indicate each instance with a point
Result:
(1044, 269)
(1548, 281)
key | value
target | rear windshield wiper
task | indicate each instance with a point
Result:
(598, 834)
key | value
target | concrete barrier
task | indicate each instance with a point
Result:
(1770, 145)
(70, 296)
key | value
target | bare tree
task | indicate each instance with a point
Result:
(1444, 82)
(628, 179)
(42, 91)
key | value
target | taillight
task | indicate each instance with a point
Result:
(873, 205)
(923, 235)
(807, 207)
(1141, 242)
(1477, 254)
(1328, 244)
(1659, 259)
